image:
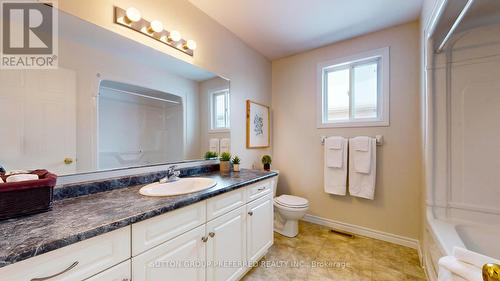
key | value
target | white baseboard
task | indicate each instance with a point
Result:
(364, 231)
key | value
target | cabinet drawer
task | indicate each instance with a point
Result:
(152, 232)
(221, 204)
(88, 257)
(119, 272)
(259, 189)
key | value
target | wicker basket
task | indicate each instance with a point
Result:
(27, 197)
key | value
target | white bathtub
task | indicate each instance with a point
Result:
(480, 238)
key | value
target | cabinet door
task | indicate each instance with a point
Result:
(179, 259)
(260, 219)
(226, 247)
(120, 272)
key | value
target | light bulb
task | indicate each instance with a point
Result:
(174, 36)
(156, 26)
(191, 44)
(133, 14)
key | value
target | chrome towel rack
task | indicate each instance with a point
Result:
(379, 138)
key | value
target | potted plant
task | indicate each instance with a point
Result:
(266, 161)
(210, 155)
(225, 165)
(236, 163)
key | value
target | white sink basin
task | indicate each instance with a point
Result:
(179, 187)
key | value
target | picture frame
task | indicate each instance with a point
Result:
(258, 125)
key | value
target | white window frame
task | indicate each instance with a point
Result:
(383, 97)
(214, 93)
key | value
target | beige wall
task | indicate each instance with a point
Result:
(219, 51)
(298, 153)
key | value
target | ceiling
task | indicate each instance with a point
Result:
(278, 28)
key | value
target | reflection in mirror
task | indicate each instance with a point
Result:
(138, 126)
(112, 103)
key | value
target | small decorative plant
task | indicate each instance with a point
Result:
(266, 161)
(225, 165)
(236, 163)
(210, 155)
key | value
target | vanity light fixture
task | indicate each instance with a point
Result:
(174, 36)
(132, 15)
(131, 18)
(190, 45)
(155, 26)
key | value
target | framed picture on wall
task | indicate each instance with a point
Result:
(258, 127)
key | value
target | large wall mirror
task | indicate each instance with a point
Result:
(113, 103)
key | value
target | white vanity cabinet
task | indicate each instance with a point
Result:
(237, 230)
(212, 240)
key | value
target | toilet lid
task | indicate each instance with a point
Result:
(292, 201)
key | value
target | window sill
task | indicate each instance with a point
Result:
(354, 124)
(214, 131)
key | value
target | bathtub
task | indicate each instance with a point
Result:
(441, 236)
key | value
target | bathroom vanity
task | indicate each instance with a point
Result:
(121, 235)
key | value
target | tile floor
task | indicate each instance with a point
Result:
(317, 254)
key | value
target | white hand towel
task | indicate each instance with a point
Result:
(21, 177)
(334, 152)
(225, 145)
(362, 184)
(361, 156)
(335, 169)
(473, 258)
(451, 269)
(213, 145)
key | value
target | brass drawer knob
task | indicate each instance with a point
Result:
(68, 161)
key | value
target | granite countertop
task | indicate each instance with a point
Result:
(76, 219)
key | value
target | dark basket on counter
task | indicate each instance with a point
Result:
(27, 197)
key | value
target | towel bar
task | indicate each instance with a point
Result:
(379, 138)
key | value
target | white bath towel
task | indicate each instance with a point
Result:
(451, 269)
(361, 154)
(362, 176)
(225, 145)
(335, 168)
(213, 145)
(463, 265)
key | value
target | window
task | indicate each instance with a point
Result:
(354, 91)
(220, 110)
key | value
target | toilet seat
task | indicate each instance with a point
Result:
(290, 201)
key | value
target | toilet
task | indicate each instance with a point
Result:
(288, 210)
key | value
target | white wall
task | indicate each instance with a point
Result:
(298, 153)
(218, 50)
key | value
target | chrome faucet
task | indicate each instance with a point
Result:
(172, 175)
